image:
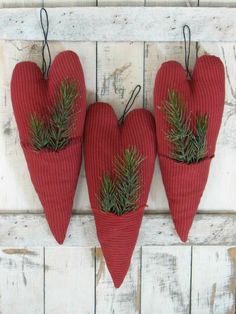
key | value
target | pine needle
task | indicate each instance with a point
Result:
(121, 194)
(107, 194)
(38, 133)
(189, 143)
(56, 134)
(62, 116)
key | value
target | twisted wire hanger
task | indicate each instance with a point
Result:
(45, 66)
(130, 102)
(187, 50)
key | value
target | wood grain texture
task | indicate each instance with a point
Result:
(166, 276)
(32, 230)
(20, 3)
(118, 74)
(120, 24)
(124, 300)
(69, 280)
(213, 280)
(21, 283)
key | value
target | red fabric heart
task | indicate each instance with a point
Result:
(54, 174)
(104, 140)
(204, 93)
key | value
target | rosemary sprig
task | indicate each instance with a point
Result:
(189, 143)
(56, 134)
(121, 194)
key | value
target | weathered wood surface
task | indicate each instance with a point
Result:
(127, 298)
(120, 24)
(69, 280)
(157, 229)
(21, 280)
(213, 280)
(161, 279)
(166, 280)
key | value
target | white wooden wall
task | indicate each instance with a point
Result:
(37, 276)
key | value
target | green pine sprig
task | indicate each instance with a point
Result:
(55, 135)
(38, 132)
(189, 144)
(121, 194)
(107, 195)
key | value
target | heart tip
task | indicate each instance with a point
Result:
(59, 238)
(183, 235)
(118, 283)
(118, 275)
(184, 238)
(58, 226)
(183, 227)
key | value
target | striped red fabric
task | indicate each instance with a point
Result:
(204, 93)
(104, 139)
(53, 174)
(117, 236)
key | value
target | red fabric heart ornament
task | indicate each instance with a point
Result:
(54, 174)
(104, 139)
(203, 94)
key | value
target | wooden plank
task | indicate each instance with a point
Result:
(213, 280)
(217, 3)
(20, 3)
(68, 3)
(21, 284)
(166, 280)
(120, 24)
(172, 3)
(119, 73)
(124, 300)
(156, 229)
(69, 280)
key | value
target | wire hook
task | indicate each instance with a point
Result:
(130, 102)
(45, 67)
(187, 50)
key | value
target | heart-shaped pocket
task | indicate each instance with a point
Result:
(104, 140)
(54, 173)
(203, 94)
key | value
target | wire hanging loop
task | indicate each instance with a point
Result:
(130, 102)
(45, 67)
(187, 50)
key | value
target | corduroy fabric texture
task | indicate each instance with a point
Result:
(53, 174)
(105, 139)
(203, 94)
